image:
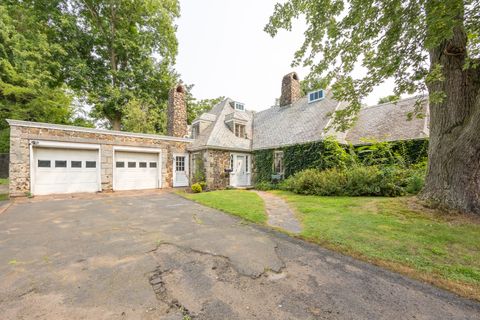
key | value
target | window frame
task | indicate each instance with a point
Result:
(316, 95)
(278, 155)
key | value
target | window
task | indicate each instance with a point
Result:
(76, 164)
(240, 130)
(195, 130)
(90, 164)
(278, 162)
(179, 163)
(142, 164)
(315, 96)
(153, 164)
(231, 161)
(132, 164)
(246, 164)
(239, 106)
(60, 163)
(44, 163)
(120, 164)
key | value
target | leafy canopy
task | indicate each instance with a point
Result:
(123, 51)
(388, 38)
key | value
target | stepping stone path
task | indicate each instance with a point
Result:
(279, 213)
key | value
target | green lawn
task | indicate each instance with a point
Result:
(3, 181)
(395, 233)
(242, 203)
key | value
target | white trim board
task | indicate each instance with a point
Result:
(42, 125)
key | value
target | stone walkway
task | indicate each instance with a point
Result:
(279, 213)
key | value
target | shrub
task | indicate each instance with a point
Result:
(388, 181)
(265, 186)
(196, 188)
(203, 185)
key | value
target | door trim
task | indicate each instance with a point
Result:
(62, 145)
(232, 177)
(137, 150)
(187, 167)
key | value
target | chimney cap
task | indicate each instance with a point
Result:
(292, 75)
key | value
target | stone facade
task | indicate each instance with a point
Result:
(291, 89)
(177, 112)
(216, 161)
(22, 133)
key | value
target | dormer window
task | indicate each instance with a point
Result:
(240, 130)
(239, 106)
(315, 96)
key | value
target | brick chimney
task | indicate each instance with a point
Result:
(291, 90)
(177, 112)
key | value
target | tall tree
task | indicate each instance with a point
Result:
(124, 52)
(429, 45)
(31, 85)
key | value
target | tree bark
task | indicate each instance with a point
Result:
(117, 121)
(453, 177)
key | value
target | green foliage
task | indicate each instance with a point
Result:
(120, 51)
(32, 85)
(138, 117)
(329, 153)
(390, 39)
(390, 98)
(265, 186)
(199, 170)
(203, 184)
(263, 165)
(356, 181)
(245, 204)
(391, 230)
(196, 188)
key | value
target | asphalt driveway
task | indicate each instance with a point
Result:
(159, 256)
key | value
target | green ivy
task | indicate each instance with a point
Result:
(329, 153)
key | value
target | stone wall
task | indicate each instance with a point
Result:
(20, 137)
(291, 89)
(177, 112)
(216, 161)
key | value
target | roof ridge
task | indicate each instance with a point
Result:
(418, 96)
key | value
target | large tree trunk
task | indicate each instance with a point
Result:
(453, 178)
(117, 122)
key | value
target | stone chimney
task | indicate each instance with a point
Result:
(291, 90)
(177, 112)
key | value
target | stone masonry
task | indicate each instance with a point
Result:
(216, 161)
(177, 112)
(22, 133)
(291, 89)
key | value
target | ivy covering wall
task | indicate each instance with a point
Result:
(330, 154)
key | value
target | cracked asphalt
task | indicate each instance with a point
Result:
(158, 256)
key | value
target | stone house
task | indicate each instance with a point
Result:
(218, 148)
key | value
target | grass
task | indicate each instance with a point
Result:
(397, 234)
(241, 203)
(3, 181)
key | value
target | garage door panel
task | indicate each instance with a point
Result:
(130, 172)
(65, 171)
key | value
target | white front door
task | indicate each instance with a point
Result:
(65, 171)
(136, 170)
(240, 176)
(180, 170)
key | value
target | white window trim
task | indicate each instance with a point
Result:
(314, 91)
(142, 150)
(62, 145)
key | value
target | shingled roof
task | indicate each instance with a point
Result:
(390, 122)
(304, 122)
(218, 136)
(298, 123)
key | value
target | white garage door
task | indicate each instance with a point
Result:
(65, 171)
(135, 170)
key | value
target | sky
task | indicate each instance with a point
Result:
(224, 51)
